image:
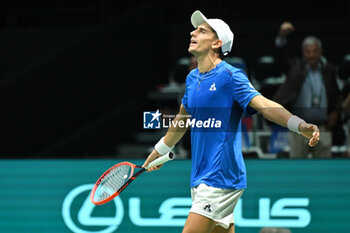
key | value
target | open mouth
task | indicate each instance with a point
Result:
(193, 42)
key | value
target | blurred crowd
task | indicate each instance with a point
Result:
(307, 85)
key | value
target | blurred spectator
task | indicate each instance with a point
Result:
(346, 111)
(310, 91)
(193, 63)
(274, 230)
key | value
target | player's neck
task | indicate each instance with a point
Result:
(207, 63)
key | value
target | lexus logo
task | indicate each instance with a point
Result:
(84, 215)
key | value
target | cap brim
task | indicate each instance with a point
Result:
(197, 18)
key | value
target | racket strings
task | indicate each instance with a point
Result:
(112, 182)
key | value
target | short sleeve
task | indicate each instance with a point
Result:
(243, 91)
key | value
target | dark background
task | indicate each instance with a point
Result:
(74, 75)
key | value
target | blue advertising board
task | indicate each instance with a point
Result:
(53, 196)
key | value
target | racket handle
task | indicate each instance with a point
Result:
(165, 158)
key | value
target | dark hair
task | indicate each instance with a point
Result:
(221, 54)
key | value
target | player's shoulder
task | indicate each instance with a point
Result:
(192, 74)
(230, 72)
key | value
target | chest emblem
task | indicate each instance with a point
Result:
(212, 87)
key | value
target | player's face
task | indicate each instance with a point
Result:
(312, 54)
(202, 39)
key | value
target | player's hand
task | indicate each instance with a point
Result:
(150, 158)
(286, 28)
(311, 132)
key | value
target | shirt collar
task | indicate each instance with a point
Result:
(212, 70)
(308, 68)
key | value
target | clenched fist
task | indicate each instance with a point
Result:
(286, 28)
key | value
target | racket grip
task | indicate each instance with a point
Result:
(160, 160)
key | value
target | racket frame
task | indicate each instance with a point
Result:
(133, 166)
(156, 162)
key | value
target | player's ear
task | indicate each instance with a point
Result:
(217, 44)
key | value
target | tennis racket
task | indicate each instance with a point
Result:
(118, 177)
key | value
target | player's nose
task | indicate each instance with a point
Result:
(193, 33)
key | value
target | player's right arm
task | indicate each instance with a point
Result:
(173, 136)
(276, 113)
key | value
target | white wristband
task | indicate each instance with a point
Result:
(162, 148)
(293, 123)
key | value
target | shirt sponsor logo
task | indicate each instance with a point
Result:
(212, 87)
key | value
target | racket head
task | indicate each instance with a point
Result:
(108, 185)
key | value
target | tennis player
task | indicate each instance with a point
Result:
(218, 175)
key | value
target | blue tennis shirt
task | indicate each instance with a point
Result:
(216, 101)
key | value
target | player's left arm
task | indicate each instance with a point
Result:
(276, 113)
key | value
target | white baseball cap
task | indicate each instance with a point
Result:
(221, 28)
